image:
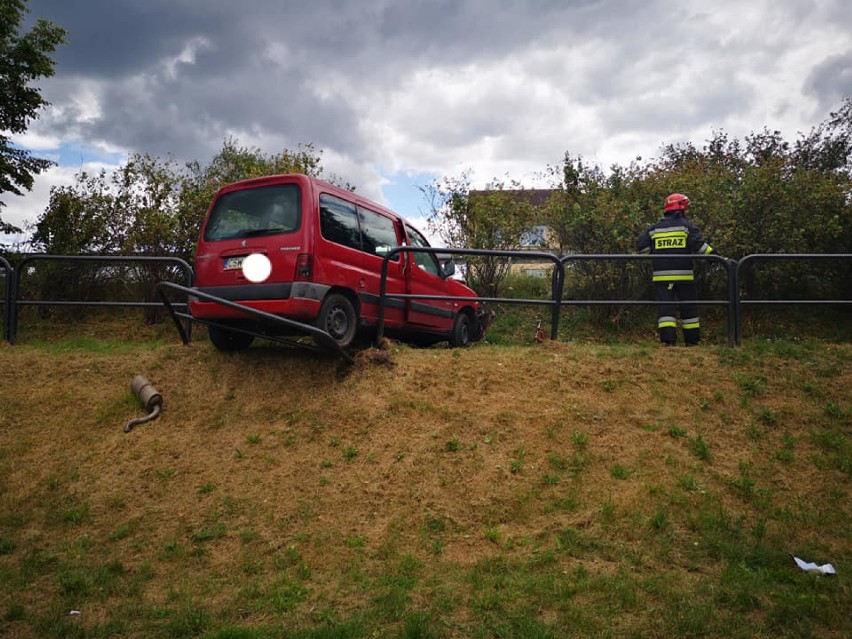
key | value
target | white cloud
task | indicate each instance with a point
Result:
(35, 141)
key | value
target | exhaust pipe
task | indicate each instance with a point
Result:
(150, 398)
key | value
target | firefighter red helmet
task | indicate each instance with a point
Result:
(676, 202)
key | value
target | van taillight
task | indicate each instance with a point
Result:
(304, 267)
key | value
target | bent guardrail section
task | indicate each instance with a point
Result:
(320, 337)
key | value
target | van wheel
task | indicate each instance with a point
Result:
(228, 341)
(337, 317)
(460, 336)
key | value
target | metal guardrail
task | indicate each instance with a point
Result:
(557, 282)
(7, 296)
(748, 259)
(615, 257)
(734, 301)
(15, 301)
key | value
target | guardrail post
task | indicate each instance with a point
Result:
(13, 314)
(734, 317)
(7, 296)
(380, 323)
(557, 287)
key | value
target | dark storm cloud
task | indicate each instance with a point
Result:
(831, 80)
(190, 118)
(150, 102)
(113, 38)
(456, 31)
(267, 67)
(109, 38)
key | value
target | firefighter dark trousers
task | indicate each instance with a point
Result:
(670, 296)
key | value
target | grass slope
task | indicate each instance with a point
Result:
(516, 491)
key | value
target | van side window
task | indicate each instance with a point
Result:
(427, 261)
(378, 233)
(339, 221)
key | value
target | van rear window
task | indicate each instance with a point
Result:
(268, 210)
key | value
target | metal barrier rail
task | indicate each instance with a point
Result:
(732, 268)
(774, 257)
(16, 301)
(557, 282)
(734, 301)
(7, 296)
(614, 257)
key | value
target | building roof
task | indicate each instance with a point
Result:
(536, 197)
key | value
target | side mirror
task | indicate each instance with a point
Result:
(449, 268)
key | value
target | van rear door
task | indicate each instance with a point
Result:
(263, 218)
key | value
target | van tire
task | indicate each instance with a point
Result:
(338, 318)
(460, 336)
(228, 341)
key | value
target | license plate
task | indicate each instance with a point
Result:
(234, 263)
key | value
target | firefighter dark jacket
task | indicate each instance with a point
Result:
(673, 235)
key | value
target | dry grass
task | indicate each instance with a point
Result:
(474, 486)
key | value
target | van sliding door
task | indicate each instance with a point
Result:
(380, 234)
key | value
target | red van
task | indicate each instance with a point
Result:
(323, 249)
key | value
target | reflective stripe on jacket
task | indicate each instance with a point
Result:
(672, 235)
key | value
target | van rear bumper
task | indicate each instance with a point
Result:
(280, 291)
(297, 309)
(298, 300)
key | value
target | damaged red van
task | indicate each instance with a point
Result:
(323, 248)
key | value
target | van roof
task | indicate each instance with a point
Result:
(268, 180)
(315, 182)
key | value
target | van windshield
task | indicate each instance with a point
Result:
(269, 210)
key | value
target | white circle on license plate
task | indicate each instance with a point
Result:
(257, 267)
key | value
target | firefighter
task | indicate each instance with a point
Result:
(674, 282)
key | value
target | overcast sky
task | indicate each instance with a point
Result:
(398, 92)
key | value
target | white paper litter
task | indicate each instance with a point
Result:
(809, 566)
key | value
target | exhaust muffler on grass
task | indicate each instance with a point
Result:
(150, 398)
